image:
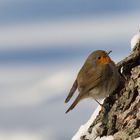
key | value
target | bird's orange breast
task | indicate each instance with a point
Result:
(104, 60)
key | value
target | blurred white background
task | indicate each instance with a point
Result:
(43, 44)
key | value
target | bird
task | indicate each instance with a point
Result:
(97, 78)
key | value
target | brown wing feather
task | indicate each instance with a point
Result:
(90, 79)
(73, 89)
(74, 103)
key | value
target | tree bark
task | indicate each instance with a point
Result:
(120, 116)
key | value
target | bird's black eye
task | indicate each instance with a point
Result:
(99, 57)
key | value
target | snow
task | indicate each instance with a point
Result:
(135, 39)
(137, 138)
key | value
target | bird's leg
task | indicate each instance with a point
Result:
(102, 107)
(98, 102)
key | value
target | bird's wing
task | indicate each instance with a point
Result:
(73, 89)
(93, 82)
(94, 77)
(90, 78)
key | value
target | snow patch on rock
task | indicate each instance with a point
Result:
(135, 39)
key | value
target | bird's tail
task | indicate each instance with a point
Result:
(74, 103)
(73, 89)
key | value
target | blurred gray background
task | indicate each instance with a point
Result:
(43, 44)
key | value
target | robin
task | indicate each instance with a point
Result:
(98, 78)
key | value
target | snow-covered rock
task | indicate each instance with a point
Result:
(94, 135)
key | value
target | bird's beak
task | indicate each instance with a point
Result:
(109, 52)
